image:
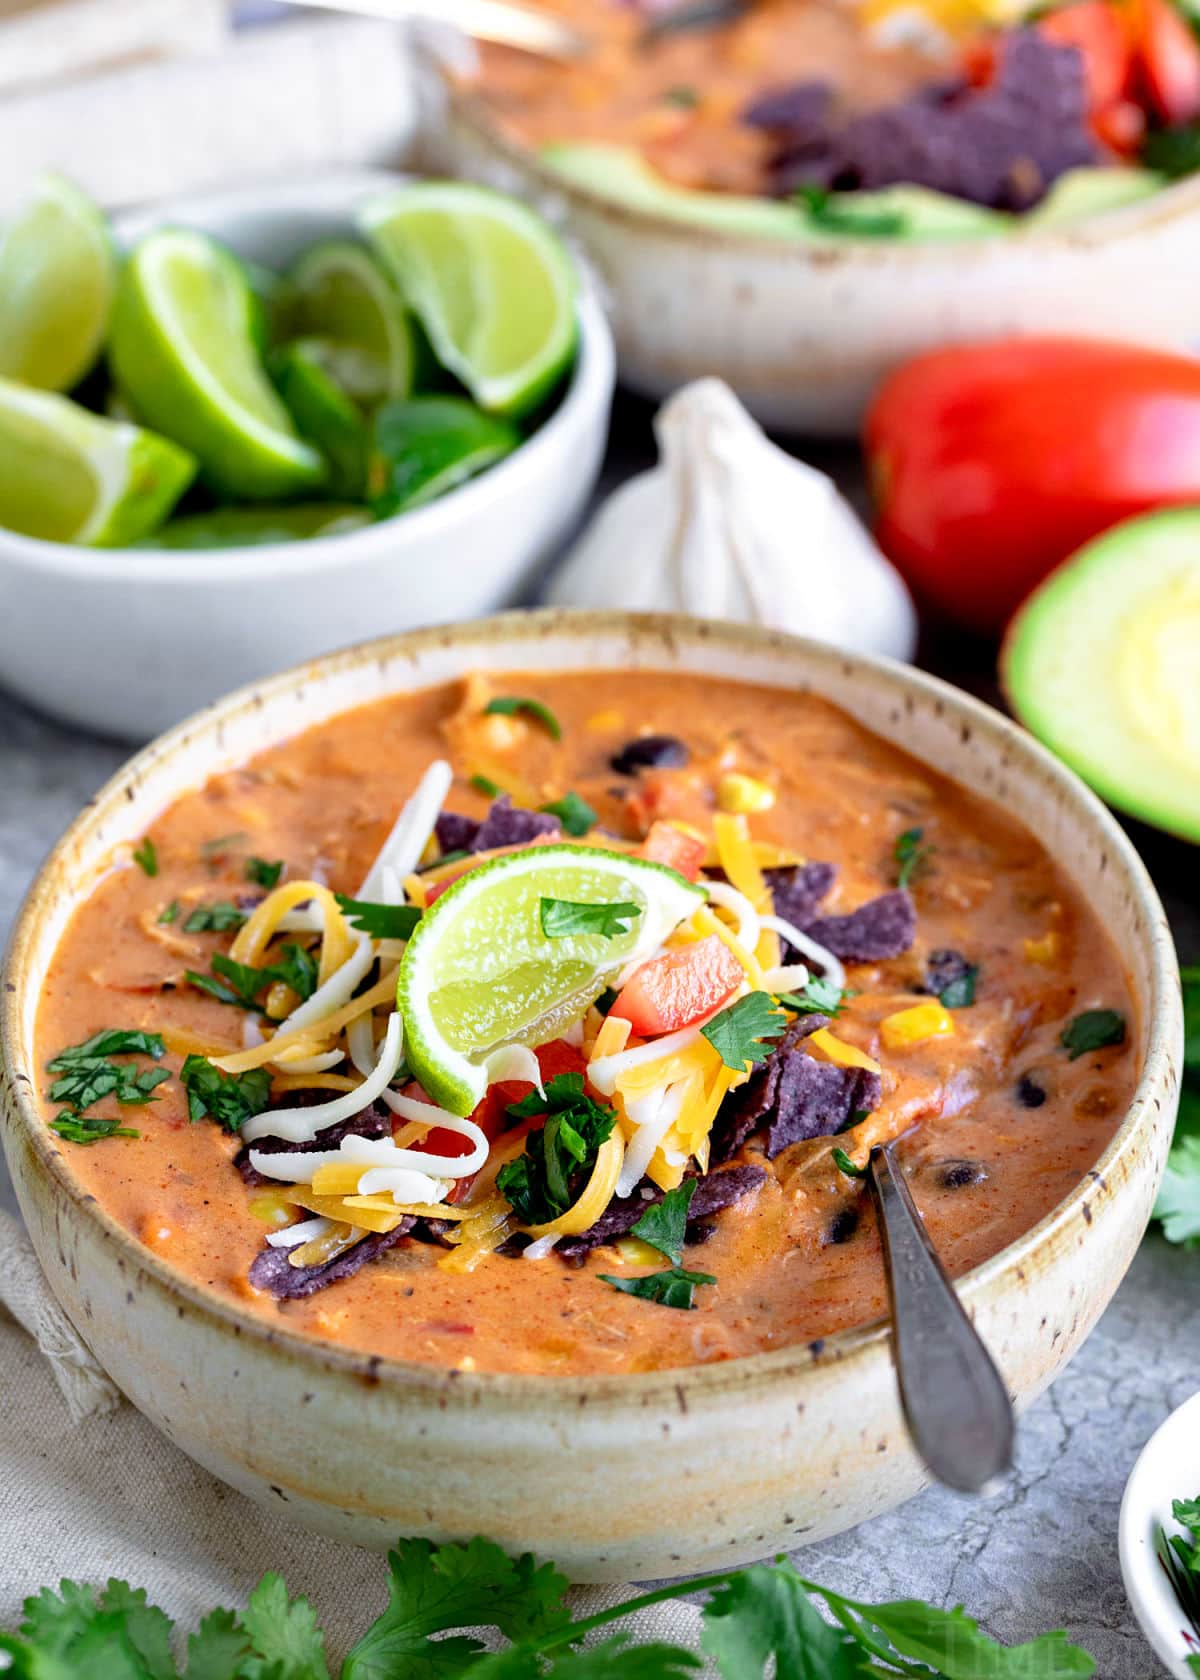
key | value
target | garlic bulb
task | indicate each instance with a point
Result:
(729, 526)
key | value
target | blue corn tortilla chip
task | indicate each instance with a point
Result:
(272, 1271)
(944, 968)
(746, 1109)
(798, 111)
(799, 891)
(713, 1194)
(372, 1122)
(506, 824)
(883, 927)
(791, 1098)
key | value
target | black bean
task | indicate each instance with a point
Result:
(943, 968)
(959, 1175)
(650, 752)
(1031, 1093)
(701, 1231)
(842, 1226)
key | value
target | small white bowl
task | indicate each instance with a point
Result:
(1168, 1469)
(128, 641)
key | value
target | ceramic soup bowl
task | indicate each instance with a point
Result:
(617, 1478)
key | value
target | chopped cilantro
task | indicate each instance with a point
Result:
(446, 857)
(561, 918)
(214, 918)
(1178, 1205)
(89, 1128)
(819, 997)
(664, 1224)
(146, 857)
(1174, 152)
(88, 1072)
(574, 813)
(839, 214)
(212, 849)
(262, 873)
(297, 968)
(682, 97)
(844, 1164)
(542, 1183)
(489, 789)
(960, 992)
(380, 921)
(673, 1288)
(228, 1098)
(1095, 1029)
(1179, 1555)
(169, 914)
(241, 985)
(912, 856)
(738, 1032)
(508, 705)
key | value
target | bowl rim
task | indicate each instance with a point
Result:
(1163, 1027)
(330, 192)
(1147, 1588)
(1171, 202)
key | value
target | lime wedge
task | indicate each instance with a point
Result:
(491, 283)
(429, 445)
(339, 293)
(259, 526)
(323, 414)
(57, 277)
(183, 351)
(479, 972)
(69, 476)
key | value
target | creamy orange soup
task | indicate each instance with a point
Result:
(1000, 1120)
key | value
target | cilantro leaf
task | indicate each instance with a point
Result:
(147, 1627)
(838, 214)
(673, 1288)
(561, 917)
(284, 1634)
(113, 1635)
(844, 1164)
(1178, 1205)
(664, 1224)
(228, 1098)
(214, 918)
(1187, 1512)
(241, 985)
(87, 1073)
(115, 1041)
(297, 968)
(819, 997)
(508, 705)
(88, 1128)
(737, 1033)
(960, 992)
(170, 913)
(574, 813)
(262, 873)
(380, 921)
(146, 857)
(435, 1590)
(541, 1183)
(911, 855)
(1190, 982)
(486, 786)
(1095, 1029)
(764, 1614)
(216, 1648)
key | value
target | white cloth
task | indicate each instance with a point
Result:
(90, 1489)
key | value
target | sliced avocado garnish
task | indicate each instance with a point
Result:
(1101, 665)
(1081, 193)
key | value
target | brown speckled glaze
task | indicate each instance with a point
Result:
(617, 1478)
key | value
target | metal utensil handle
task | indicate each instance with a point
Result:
(955, 1403)
(484, 20)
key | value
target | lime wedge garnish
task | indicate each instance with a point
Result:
(491, 283)
(69, 476)
(428, 445)
(57, 277)
(259, 526)
(183, 350)
(479, 971)
(339, 293)
(324, 414)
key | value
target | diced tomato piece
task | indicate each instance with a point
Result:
(1169, 60)
(1121, 128)
(682, 852)
(1099, 32)
(979, 58)
(679, 987)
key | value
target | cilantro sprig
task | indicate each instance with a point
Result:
(221, 917)
(228, 1098)
(563, 917)
(1178, 1205)
(1179, 1555)
(241, 984)
(263, 873)
(441, 1598)
(146, 857)
(379, 921)
(912, 856)
(664, 1226)
(88, 1072)
(543, 1182)
(574, 813)
(742, 1034)
(819, 997)
(1095, 1029)
(509, 705)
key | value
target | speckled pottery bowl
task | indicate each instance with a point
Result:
(804, 332)
(617, 1478)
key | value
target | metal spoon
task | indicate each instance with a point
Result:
(955, 1403)
(482, 20)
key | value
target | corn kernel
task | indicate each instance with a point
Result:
(601, 722)
(740, 794)
(634, 1252)
(273, 1207)
(913, 1026)
(1043, 950)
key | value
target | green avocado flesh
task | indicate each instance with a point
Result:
(622, 176)
(1101, 664)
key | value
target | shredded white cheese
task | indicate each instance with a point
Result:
(401, 851)
(301, 1125)
(653, 1115)
(833, 970)
(515, 1061)
(308, 1230)
(605, 1072)
(337, 990)
(729, 898)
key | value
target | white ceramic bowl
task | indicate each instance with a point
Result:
(1167, 1469)
(617, 1478)
(804, 332)
(128, 641)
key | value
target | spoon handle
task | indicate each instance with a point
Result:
(955, 1403)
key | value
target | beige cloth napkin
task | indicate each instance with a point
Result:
(89, 1489)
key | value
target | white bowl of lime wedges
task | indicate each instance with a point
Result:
(299, 415)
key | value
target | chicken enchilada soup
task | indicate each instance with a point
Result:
(544, 1023)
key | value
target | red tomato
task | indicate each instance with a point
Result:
(1169, 60)
(991, 463)
(1121, 128)
(682, 852)
(1099, 32)
(679, 987)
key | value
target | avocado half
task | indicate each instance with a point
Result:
(1102, 664)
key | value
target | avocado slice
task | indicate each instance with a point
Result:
(1101, 665)
(1081, 193)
